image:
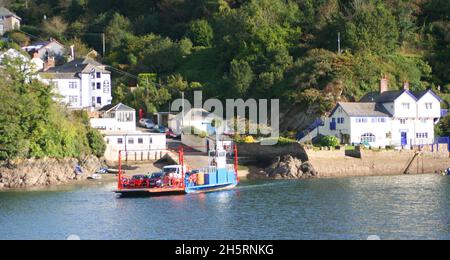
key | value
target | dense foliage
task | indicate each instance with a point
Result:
(256, 48)
(33, 125)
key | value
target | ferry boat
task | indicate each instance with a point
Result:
(218, 175)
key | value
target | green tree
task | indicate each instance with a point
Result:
(55, 27)
(118, 29)
(240, 77)
(200, 33)
(370, 26)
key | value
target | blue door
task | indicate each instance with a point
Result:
(404, 138)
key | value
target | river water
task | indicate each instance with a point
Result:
(402, 207)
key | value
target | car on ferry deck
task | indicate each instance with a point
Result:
(155, 179)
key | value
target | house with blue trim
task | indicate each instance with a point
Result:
(386, 118)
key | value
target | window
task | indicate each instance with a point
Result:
(422, 135)
(106, 87)
(73, 85)
(125, 116)
(131, 141)
(93, 86)
(99, 100)
(428, 106)
(379, 120)
(93, 101)
(403, 121)
(140, 140)
(340, 120)
(368, 138)
(107, 140)
(99, 86)
(361, 120)
(73, 99)
(99, 75)
(151, 140)
(424, 121)
(119, 140)
(406, 106)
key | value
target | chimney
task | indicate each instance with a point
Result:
(384, 84)
(50, 63)
(406, 85)
(72, 53)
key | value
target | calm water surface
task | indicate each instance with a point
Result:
(403, 207)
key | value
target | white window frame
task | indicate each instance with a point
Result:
(368, 138)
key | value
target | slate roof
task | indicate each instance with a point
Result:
(118, 107)
(364, 109)
(385, 97)
(86, 65)
(391, 96)
(5, 12)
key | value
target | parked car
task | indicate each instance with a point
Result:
(146, 123)
(170, 134)
(155, 180)
(137, 181)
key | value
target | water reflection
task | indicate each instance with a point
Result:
(414, 207)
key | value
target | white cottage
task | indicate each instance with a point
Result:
(386, 118)
(118, 125)
(46, 49)
(82, 83)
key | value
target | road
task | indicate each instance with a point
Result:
(193, 158)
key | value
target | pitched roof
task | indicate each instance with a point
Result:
(363, 109)
(85, 65)
(6, 12)
(420, 94)
(118, 107)
(36, 46)
(391, 96)
(385, 97)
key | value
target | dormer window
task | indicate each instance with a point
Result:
(429, 106)
(406, 106)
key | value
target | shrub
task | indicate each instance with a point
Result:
(329, 141)
(96, 142)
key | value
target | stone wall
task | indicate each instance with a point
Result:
(372, 163)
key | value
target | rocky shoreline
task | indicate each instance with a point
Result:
(286, 167)
(29, 173)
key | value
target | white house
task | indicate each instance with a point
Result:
(46, 49)
(9, 21)
(12, 55)
(385, 118)
(115, 118)
(197, 118)
(118, 125)
(82, 83)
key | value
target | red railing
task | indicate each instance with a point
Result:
(181, 161)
